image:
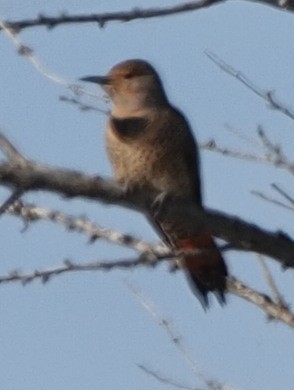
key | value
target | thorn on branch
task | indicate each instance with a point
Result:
(101, 22)
(93, 238)
(12, 154)
(25, 51)
(68, 264)
(45, 278)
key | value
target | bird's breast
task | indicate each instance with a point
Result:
(144, 160)
(132, 161)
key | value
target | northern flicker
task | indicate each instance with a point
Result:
(150, 144)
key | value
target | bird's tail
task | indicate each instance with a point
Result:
(206, 270)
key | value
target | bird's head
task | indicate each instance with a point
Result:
(133, 87)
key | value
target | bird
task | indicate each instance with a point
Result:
(150, 145)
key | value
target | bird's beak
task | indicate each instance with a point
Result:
(101, 80)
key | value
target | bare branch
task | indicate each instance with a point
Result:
(102, 19)
(271, 200)
(29, 54)
(277, 296)
(69, 266)
(276, 201)
(272, 309)
(126, 16)
(240, 234)
(31, 213)
(164, 379)
(268, 96)
(283, 193)
(82, 106)
(273, 153)
(212, 146)
(174, 337)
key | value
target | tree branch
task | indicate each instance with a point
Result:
(28, 53)
(31, 213)
(273, 310)
(273, 154)
(269, 199)
(32, 176)
(175, 339)
(126, 16)
(286, 196)
(268, 96)
(277, 296)
(103, 18)
(67, 267)
(166, 380)
(236, 287)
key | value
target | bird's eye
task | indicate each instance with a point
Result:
(128, 75)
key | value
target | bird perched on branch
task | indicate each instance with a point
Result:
(150, 145)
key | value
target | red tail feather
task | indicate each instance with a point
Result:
(207, 270)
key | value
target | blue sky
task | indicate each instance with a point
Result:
(88, 331)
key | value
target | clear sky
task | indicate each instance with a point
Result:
(87, 331)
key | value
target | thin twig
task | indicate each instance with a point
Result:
(279, 161)
(69, 266)
(283, 193)
(263, 301)
(243, 136)
(174, 337)
(277, 296)
(268, 96)
(82, 106)
(268, 144)
(28, 53)
(275, 153)
(166, 380)
(31, 213)
(271, 200)
(212, 146)
(154, 252)
(236, 287)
